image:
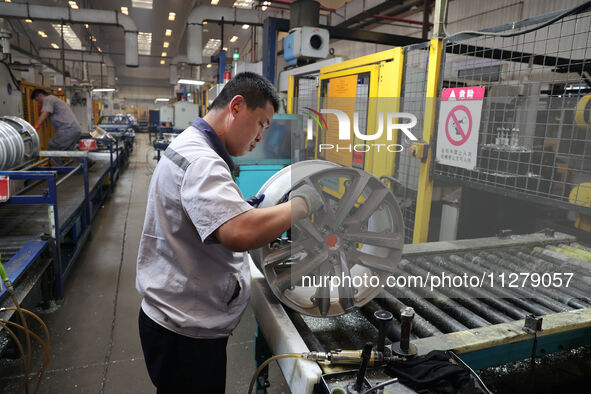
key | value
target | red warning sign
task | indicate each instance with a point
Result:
(458, 125)
(459, 122)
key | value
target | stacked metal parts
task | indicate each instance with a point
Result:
(19, 142)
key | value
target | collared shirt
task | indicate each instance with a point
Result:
(61, 117)
(192, 284)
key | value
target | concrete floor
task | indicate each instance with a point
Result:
(95, 345)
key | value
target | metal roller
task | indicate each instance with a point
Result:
(359, 232)
(19, 142)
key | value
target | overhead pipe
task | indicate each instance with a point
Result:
(77, 56)
(209, 13)
(173, 67)
(217, 14)
(82, 56)
(90, 16)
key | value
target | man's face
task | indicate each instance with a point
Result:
(39, 98)
(247, 128)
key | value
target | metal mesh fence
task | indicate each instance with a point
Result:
(306, 96)
(414, 87)
(534, 131)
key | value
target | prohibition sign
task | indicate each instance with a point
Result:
(456, 120)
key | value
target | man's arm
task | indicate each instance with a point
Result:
(258, 227)
(42, 118)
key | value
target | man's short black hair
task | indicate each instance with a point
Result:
(256, 90)
(37, 92)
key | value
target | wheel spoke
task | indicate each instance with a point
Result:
(369, 206)
(322, 294)
(385, 240)
(283, 252)
(346, 297)
(350, 198)
(308, 227)
(293, 275)
(374, 262)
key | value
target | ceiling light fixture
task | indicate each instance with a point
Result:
(147, 4)
(161, 99)
(54, 45)
(215, 2)
(86, 25)
(73, 4)
(243, 3)
(234, 39)
(166, 44)
(190, 82)
(168, 32)
(171, 16)
(144, 43)
(162, 61)
(70, 36)
(245, 27)
(225, 49)
(211, 47)
(164, 54)
(125, 10)
(42, 33)
(99, 49)
(208, 66)
(104, 90)
(205, 22)
(28, 21)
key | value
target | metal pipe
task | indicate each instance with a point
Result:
(502, 293)
(211, 13)
(74, 170)
(406, 316)
(557, 294)
(572, 289)
(462, 314)
(482, 293)
(36, 164)
(396, 19)
(426, 24)
(82, 15)
(392, 330)
(440, 319)
(473, 304)
(384, 319)
(561, 260)
(542, 301)
(365, 356)
(421, 327)
(492, 263)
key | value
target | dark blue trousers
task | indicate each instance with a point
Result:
(182, 365)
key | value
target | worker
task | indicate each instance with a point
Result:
(194, 281)
(64, 122)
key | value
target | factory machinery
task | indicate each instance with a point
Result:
(489, 301)
(47, 202)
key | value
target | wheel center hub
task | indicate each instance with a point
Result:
(332, 241)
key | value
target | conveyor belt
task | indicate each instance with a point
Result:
(32, 220)
(470, 323)
(451, 310)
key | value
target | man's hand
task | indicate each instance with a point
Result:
(310, 195)
(37, 127)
